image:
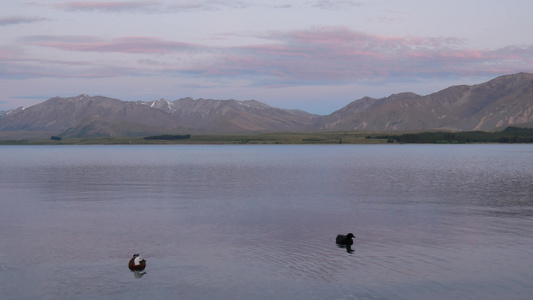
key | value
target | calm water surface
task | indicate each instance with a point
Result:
(259, 222)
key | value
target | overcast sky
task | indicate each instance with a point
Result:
(314, 55)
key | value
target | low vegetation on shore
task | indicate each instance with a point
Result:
(509, 135)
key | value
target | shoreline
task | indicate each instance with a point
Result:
(510, 135)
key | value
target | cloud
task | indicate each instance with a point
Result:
(107, 6)
(320, 56)
(22, 68)
(60, 38)
(143, 45)
(18, 65)
(207, 5)
(149, 6)
(340, 55)
(28, 69)
(335, 4)
(20, 20)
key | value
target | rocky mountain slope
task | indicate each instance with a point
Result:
(493, 105)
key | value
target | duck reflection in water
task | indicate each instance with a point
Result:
(138, 274)
(345, 241)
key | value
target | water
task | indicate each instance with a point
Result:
(259, 222)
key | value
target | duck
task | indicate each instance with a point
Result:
(137, 263)
(345, 240)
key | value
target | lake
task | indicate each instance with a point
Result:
(260, 221)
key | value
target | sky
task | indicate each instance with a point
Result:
(313, 55)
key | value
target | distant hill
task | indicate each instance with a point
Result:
(493, 105)
(232, 116)
(86, 116)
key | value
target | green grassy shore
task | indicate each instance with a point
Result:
(237, 139)
(509, 135)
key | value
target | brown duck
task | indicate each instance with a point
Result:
(137, 263)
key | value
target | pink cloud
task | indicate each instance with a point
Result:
(305, 57)
(340, 55)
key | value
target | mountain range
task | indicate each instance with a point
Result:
(493, 105)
